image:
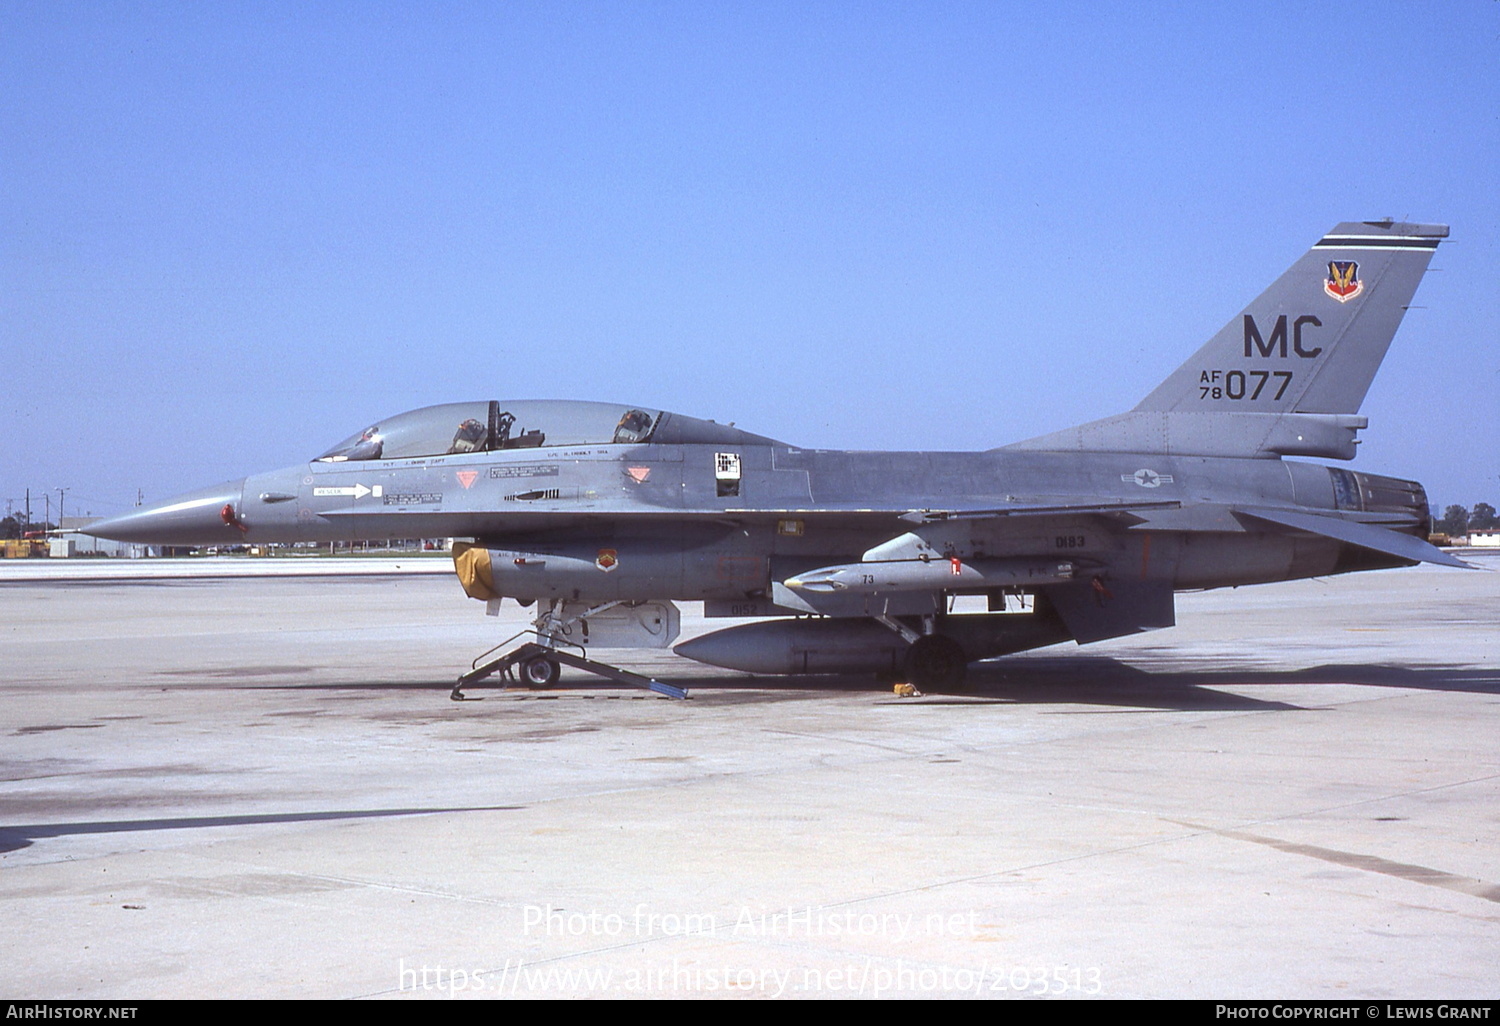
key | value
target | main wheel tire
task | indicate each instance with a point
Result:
(540, 671)
(936, 661)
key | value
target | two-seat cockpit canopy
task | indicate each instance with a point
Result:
(527, 424)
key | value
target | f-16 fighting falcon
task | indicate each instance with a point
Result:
(603, 515)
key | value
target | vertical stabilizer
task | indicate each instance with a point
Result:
(1312, 342)
(1287, 376)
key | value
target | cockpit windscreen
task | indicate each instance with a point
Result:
(488, 427)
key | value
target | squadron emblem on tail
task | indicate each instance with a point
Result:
(1343, 281)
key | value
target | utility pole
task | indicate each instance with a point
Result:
(60, 492)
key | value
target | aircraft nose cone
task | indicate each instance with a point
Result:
(194, 518)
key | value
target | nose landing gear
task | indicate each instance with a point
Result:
(538, 666)
(540, 671)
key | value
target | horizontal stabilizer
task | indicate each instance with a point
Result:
(1369, 536)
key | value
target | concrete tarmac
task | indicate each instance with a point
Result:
(257, 787)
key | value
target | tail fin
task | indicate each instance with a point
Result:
(1312, 342)
(1287, 376)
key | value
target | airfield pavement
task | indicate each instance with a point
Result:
(257, 787)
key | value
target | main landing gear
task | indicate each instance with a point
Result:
(539, 663)
(934, 661)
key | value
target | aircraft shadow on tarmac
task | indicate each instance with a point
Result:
(1087, 680)
(13, 838)
(1092, 681)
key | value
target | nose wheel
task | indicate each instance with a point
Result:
(540, 671)
(539, 666)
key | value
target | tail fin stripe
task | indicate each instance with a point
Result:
(1365, 242)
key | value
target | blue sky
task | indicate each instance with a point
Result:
(232, 234)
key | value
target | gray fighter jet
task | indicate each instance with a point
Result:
(603, 514)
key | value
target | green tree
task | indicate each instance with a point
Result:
(1483, 518)
(1455, 521)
